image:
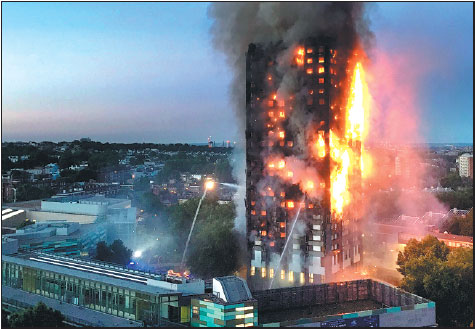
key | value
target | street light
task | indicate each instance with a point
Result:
(209, 185)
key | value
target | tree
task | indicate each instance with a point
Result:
(20, 175)
(40, 158)
(150, 202)
(418, 259)
(137, 160)
(38, 316)
(5, 321)
(214, 247)
(224, 171)
(85, 175)
(27, 192)
(103, 251)
(142, 184)
(66, 160)
(114, 253)
(460, 199)
(214, 252)
(68, 174)
(452, 180)
(168, 172)
(6, 163)
(120, 253)
(103, 159)
(432, 271)
(460, 225)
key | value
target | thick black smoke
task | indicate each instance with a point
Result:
(236, 25)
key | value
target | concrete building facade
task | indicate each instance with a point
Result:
(230, 305)
(327, 245)
(97, 293)
(117, 215)
(466, 165)
(60, 237)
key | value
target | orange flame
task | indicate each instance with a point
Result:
(321, 145)
(300, 56)
(347, 153)
(185, 274)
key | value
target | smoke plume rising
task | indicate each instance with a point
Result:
(236, 25)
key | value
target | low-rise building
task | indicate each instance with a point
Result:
(13, 217)
(95, 293)
(60, 237)
(451, 240)
(13, 158)
(117, 214)
(357, 303)
(230, 305)
(91, 293)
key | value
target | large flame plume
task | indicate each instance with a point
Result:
(347, 152)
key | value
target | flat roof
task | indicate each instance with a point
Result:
(112, 274)
(77, 234)
(8, 213)
(96, 199)
(235, 289)
(79, 314)
(32, 204)
(315, 311)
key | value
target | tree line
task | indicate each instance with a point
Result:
(431, 270)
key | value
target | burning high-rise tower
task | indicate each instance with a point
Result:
(303, 156)
(304, 121)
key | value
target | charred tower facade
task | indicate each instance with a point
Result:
(289, 117)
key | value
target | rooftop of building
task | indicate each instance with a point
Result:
(53, 231)
(108, 273)
(235, 290)
(442, 236)
(87, 199)
(333, 301)
(8, 213)
(316, 311)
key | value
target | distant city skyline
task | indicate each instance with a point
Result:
(147, 72)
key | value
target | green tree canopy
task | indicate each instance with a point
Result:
(460, 225)
(461, 199)
(224, 171)
(27, 192)
(214, 247)
(213, 252)
(114, 253)
(432, 271)
(103, 159)
(85, 175)
(419, 258)
(454, 181)
(38, 316)
(149, 202)
(142, 184)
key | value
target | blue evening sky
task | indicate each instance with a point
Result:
(146, 72)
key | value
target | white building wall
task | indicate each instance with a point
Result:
(73, 208)
(44, 216)
(465, 165)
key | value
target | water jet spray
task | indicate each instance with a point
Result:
(287, 242)
(208, 185)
